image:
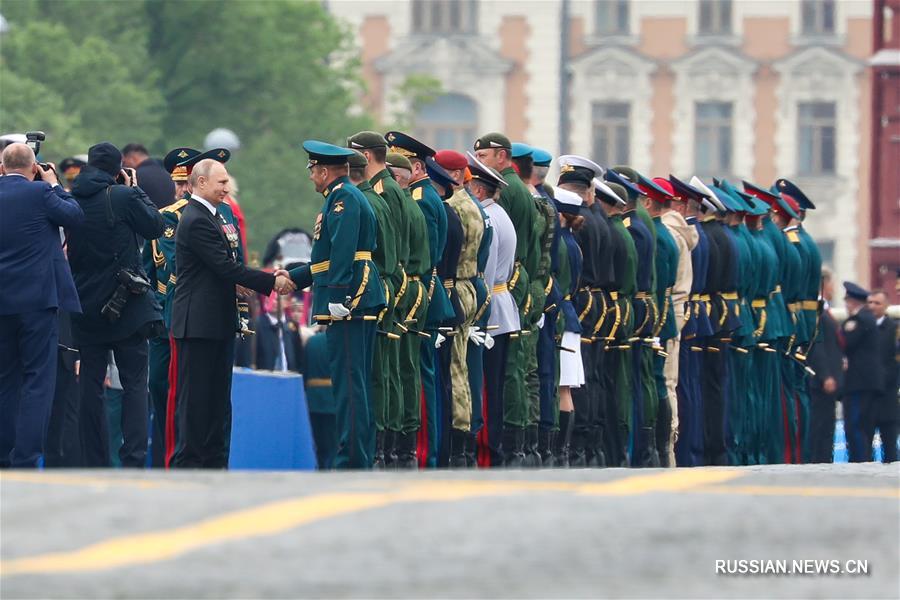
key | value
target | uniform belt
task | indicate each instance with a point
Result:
(729, 296)
(642, 296)
(704, 297)
(322, 267)
(758, 303)
(810, 305)
(500, 288)
(415, 278)
(669, 291)
(449, 284)
(318, 382)
(614, 295)
(694, 297)
(793, 306)
(160, 287)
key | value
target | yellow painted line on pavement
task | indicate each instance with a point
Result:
(786, 490)
(44, 478)
(281, 516)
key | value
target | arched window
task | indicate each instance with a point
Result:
(450, 121)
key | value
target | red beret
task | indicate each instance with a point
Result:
(664, 184)
(451, 160)
(654, 193)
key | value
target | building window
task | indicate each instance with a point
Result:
(715, 17)
(450, 121)
(444, 16)
(611, 133)
(611, 17)
(818, 17)
(826, 252)
(816, 132)
(712, 138)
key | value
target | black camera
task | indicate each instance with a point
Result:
(130, 283)
(120, 179)
(33, 139)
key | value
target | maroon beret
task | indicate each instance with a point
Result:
(451, 160)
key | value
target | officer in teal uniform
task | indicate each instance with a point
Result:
(439, 306)
(320, 400)
(347, 296)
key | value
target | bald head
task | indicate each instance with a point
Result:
(210, 181)
(18, 158)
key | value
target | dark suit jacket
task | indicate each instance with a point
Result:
(826, 358)
(887, 349)
(33, 269)
(204, 304)
(157, 182)
(267, 344)
(865, 372)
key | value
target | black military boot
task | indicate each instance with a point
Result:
(578, 458)
(532, 455)
(471, 450)
(649, 457)
(458, 448)
(623, 452)
(563, 440)
(513, 447)
(406, 451)
(390, 450)
(546, 438)
(378, 460)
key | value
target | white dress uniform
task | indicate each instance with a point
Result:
(499, 270)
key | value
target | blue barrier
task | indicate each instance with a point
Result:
(270, 422)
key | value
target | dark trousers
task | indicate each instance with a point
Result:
(858, 425)
(821, 427)
(63, 447)
(475, 364)
(350, 350)
(203, 398)
(444, 409)
(494, 378)
(713, 385)
(131, 359)
(324, 430)
(159, 391)
(546, 360)
(28, 355)
(885, 410)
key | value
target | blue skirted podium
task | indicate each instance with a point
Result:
(270, 422)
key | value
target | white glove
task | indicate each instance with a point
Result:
(488, 340)
(540, 322)
(440, 340)
(338, 310)
(476, 336)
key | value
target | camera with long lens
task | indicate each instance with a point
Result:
(130, 284)
(33, 140)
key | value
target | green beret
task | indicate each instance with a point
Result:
(357, 159)
(365, 140)
(619, 190)
(493, 140)
(395, 159)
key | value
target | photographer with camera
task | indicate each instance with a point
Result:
(120, 311)
(36, 285)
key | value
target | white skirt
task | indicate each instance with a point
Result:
(571, 370)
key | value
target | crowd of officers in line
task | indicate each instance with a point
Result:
(474, 314)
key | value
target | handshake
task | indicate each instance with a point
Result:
(283, 283)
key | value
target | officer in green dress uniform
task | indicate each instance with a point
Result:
(495, 151)
(347, 296)
(439, 308)
(385, 381)
(374, 147)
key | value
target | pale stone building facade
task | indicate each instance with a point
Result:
(752, 89)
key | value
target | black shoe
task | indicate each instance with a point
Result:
(458, 448)
(578, 458)
(378, 460)
(563, 440)
(406, 451)
(599, 458)
(532, 455)
(390, 450)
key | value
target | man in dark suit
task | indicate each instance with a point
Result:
(36, 282)
(154, 178)
(885, 410)
(827, 360)
(205, 318)
(864, 376)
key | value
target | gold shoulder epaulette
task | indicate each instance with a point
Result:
(793, 237)
(417, 194)
(379, 187)
(627, 221)
(175, 206)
